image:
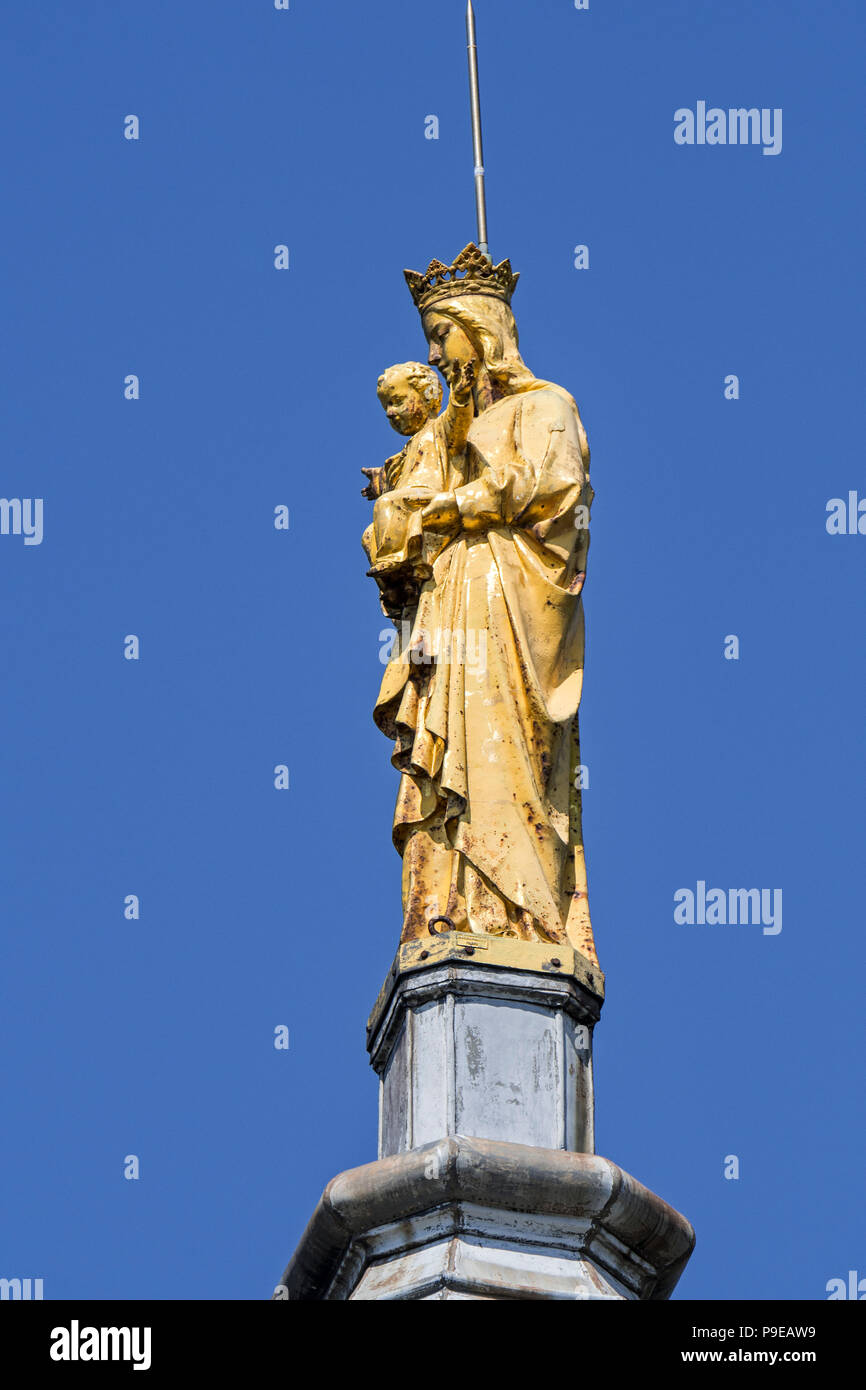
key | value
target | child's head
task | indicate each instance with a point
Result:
(411, 394)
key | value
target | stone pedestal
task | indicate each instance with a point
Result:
(487, 1185)
(464, 1044)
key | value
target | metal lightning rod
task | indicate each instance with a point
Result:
(477, 146)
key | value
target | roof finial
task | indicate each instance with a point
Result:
(478, 149)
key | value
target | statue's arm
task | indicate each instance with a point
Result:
(442, 513)
(459, 413)
(376, 483)
(456, 420)
(540, 479)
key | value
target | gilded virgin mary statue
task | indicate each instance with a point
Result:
(479, 545)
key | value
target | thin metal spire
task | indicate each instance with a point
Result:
(477, 146)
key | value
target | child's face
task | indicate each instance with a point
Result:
(404, 405)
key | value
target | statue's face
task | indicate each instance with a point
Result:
(403, 404)
(450, 348)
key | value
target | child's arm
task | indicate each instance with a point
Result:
(384, 479)
(460, 410)
(376, 483)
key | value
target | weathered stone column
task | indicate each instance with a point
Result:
(487, 1185)
(488, 1037)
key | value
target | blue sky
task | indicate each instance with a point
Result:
(155, 777)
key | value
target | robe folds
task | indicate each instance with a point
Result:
(481, 694)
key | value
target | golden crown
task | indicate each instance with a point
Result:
(469, 273)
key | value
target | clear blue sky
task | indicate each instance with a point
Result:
(258, 907)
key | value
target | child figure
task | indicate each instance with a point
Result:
(401, 553)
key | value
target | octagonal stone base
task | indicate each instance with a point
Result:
(482, 1219)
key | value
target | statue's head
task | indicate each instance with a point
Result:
(476, 328)
(410, 394)
(466, 314)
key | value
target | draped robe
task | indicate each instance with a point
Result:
(481, 693)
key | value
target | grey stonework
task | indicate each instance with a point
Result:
(477, 1219)
(499, 1054)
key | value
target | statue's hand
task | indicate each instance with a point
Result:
(442, 514)
(374, 486)
(462, 381)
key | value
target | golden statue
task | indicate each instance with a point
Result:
(404, 551)
(478, 545)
